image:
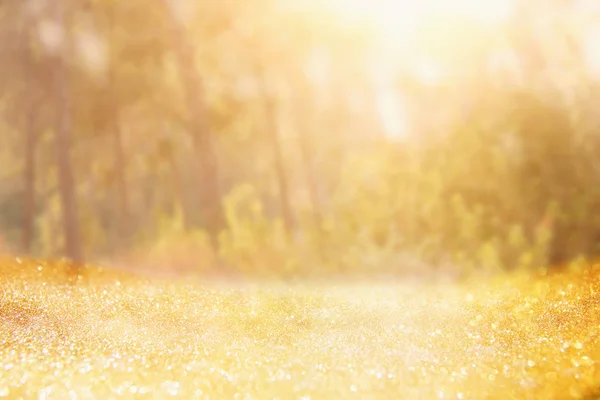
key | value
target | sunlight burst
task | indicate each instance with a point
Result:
(591, 46)
(400, 19)
(398, 27)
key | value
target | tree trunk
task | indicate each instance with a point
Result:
(213, 216)
(179, 201)
(62, 134)
(179, 198)
(29, 178)
(306, 123)
(121, 177)
(124, 212)
(275, 140)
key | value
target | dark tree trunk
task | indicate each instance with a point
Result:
(62, 134)
(205, 147)
(29, 178)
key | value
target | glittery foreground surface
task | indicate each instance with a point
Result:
(109, 334)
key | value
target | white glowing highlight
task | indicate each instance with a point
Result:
(591, 48)
(51, 34)
(92, 51)
(392, 114)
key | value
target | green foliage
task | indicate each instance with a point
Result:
(174, 249)
(254, 243)
(495, 175)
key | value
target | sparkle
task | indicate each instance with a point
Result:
(118, 335)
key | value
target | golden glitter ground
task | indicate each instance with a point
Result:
(115, 335)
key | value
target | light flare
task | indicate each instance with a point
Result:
(592, 51)
(399, 20)
(412, 35)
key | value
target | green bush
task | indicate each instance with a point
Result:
(507, 188)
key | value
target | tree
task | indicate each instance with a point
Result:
(29, 176)
(197, 115)
(114, 126)
(272, 128)
(63, 137)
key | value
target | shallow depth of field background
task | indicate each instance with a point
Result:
(322, 199)
(283, 138)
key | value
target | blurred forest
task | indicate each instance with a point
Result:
(301, 138)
